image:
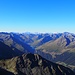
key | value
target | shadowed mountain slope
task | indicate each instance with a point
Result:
(4, 72)
(8, 52)
(14, 40)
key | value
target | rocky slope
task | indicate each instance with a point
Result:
(33, 64)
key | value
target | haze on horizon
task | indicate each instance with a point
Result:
(45, 16)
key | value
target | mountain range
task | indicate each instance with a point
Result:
(58, 47)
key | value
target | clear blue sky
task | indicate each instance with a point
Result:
(37, 16)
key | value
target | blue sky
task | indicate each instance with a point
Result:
(37, 16)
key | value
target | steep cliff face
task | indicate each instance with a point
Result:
(33, 64)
